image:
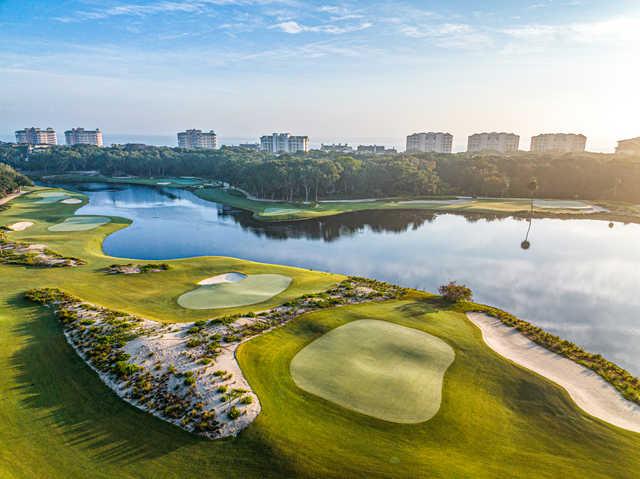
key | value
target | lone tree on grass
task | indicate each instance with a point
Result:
(454, 292)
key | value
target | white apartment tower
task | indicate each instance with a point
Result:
(558, 142)
(501, 142)
(36, 136)
(430, 143)
(80, 136)
(278, 143)
(197, 139)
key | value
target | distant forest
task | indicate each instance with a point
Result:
(320, 175)
(11, 180)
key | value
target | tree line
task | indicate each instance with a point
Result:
(324, 175)
(11, 180)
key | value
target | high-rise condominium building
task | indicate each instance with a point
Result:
(36, 136)
(197, 139)
(501, 142)
(629, 147)
(430, 143)
(278, 143)
(558, 142)
(80, 136)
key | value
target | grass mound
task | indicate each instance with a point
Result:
(251, 290)
(80, 223)
(380, 369)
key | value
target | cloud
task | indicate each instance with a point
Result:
(449, 35)
(165, 6)
(618, 31)
(294, 28)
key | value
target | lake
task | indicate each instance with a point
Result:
(579, 279)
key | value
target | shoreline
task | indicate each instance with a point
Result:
(251, 204)
(590, 392)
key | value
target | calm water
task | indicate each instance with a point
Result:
(579, 279)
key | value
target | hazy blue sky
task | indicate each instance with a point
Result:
(332, 70)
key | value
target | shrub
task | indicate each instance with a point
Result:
(234, 413)
(454, 292)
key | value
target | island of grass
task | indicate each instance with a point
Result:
(496, 419)
(233, 290)
(376, 368)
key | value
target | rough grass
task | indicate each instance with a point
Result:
(376, 368)
(253, 289)
(58, 420)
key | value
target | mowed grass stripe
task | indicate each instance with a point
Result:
(376, 368)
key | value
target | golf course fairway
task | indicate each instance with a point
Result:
(252, 289)
(376, 368)
(59, 420)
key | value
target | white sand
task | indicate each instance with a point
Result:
(71, 201)
(589, 391)
(169, 347)
(223, 278)
(163, 183)
(21, 226)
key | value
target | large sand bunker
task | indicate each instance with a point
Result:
(376, 368)
(232, 290)
(72, 201)
(589, 391)
(20, 226)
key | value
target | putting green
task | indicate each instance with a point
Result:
(51, 197)
(274, 211)
(80, 223)
(253, 289)
(376, 368)
(562, 204)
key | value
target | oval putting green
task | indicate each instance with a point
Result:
(80, 223)
(47, 197)
(251, 289)
(376, 368)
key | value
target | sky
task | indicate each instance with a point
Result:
(357, 71)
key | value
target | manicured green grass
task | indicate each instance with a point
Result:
(253, 289)
(377, 368)
(80, 223)
(58, 420)
(496, 419)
